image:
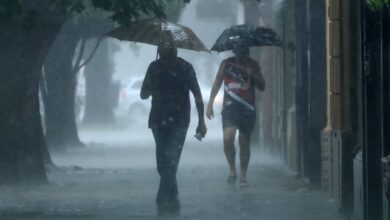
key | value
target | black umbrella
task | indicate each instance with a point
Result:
(248, 35)
(155, 31)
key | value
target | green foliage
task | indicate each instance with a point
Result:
(376, 5)
(121, 11)
(66, 6)
(125, 11)
(9, 8)
(251, 0)
(29, 19)
(174, 9)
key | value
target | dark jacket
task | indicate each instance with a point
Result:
(169, 82)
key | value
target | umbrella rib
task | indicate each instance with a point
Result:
(150, 32)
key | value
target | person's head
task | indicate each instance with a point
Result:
(241, 50)
(167, 50)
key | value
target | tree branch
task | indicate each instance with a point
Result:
(80, 56)
(90, 56)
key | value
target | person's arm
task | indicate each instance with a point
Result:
(255, 73)
(214, 91)
(146, 89)
(195, 89)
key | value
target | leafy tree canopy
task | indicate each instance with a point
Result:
(121, 11)
(377, 4)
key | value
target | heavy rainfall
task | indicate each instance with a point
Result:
(195, 109)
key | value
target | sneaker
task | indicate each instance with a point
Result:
(244, 183)
(231, 179)
(168, 208)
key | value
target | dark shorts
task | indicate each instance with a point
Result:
(240, 117)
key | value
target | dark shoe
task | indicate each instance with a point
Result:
(175, 207)
(231, 179)
(244, 183)
(168, 208)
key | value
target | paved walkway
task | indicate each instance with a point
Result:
(105, 182)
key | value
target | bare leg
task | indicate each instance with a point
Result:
(245, 153)
(230, 151)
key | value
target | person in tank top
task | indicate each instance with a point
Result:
(240, 76)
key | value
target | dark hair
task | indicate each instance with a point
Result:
(241, 49)
(167, 50)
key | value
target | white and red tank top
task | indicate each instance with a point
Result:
(238, 85)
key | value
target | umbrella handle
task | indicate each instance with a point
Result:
(157, 54)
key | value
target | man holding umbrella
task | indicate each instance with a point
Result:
(169, 80)
(240, 76)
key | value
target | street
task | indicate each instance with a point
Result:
(104, 181)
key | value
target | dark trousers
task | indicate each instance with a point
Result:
(169, 145)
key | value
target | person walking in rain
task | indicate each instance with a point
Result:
(168, 81)
(240, 75)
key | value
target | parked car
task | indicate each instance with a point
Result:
(206, 95)
(133, 109)
(130, 106)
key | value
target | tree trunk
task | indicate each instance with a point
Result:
(99, 89)
(21, 145)
(61, 70)
(45, 150)
(61, 128)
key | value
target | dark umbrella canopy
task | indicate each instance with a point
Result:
(248, 35)
(155, 31)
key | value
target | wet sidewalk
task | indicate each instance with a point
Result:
(103, 182)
